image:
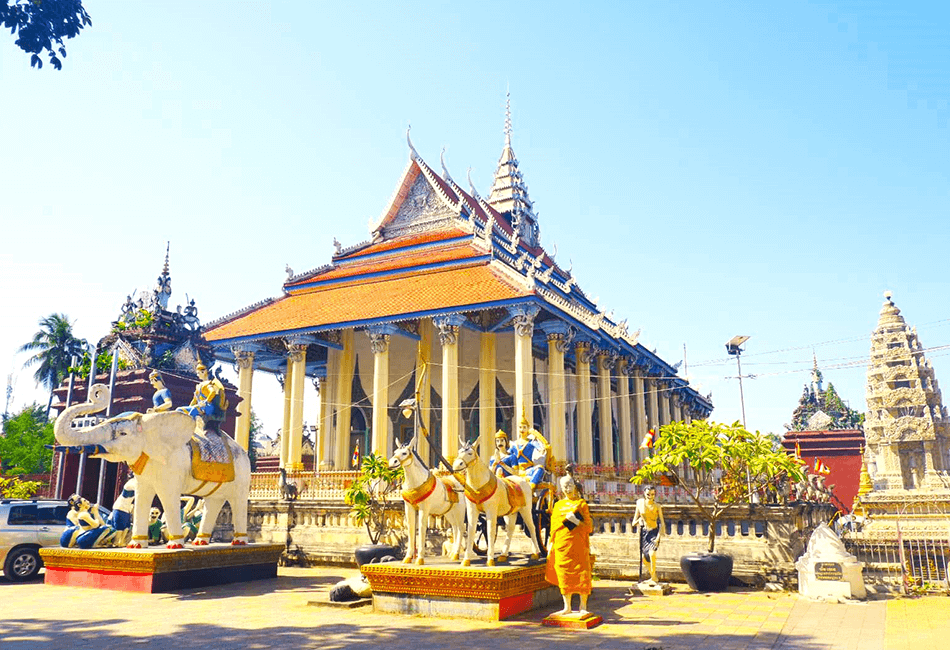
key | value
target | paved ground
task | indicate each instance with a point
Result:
(274, 614)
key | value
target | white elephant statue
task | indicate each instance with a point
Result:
(156, 447)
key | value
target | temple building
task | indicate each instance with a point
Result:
(458, 284)
(145, 336)
(828, 435)
(907, 428)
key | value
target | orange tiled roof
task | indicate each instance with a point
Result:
(388, 297)
(410, 240)
(447, 253)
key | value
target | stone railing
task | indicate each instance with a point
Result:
(764, 541)
(325, 485)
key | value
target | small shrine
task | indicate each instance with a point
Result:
(146, 336)
(826, 433)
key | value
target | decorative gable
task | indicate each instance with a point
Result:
(422, 209)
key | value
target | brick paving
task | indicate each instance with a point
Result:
(275, 614)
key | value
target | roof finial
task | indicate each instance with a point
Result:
(412, 150)
(471, 185)
(445, 170)
(508, 118)
(168, 246)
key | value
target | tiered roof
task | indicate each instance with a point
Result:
(440, 249)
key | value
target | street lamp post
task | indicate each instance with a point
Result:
(734, 349)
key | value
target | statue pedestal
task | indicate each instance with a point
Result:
(827, 571)
(573, 621)
(650, 588)
(159, 569)
(445, 589)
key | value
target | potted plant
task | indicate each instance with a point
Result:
(715, 465)
(367, 496)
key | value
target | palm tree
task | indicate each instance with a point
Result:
(53, 347)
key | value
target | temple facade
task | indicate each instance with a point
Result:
(459, 285)
(907, 427)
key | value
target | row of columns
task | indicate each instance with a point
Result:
(638, 409)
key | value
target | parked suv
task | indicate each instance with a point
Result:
(26, 525)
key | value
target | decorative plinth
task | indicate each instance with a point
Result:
(444, 589)
(573, 621)
(160, 569)
(649, 588)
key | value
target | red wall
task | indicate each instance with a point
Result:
(840, 451)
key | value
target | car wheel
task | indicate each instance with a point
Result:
(22, 564)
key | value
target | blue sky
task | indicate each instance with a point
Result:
(710, 169)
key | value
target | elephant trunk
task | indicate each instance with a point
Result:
(65, 434)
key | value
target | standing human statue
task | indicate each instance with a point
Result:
(162, 399)
(649, 517)
(569, 563)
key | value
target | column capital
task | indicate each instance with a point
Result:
(607, 358)
(523, 318)
(243, 358)
(560, 332)
(448, 327)
(583, 351)
(296, 348)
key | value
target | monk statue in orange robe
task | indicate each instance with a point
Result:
(569, 565)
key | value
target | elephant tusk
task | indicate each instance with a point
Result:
(78, 449)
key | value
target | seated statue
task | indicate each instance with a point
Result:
(162, 399)
(86, 524)
(527, 455)
(209, 404)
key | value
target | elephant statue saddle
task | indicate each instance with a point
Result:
(211, 459)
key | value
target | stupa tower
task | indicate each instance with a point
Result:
(906, 426)
(509, 194)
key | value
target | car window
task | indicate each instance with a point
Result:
(52, 515)
(24, 515)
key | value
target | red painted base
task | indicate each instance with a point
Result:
(114, 580)
(584, 622)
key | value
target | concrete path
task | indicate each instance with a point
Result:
(275, 614)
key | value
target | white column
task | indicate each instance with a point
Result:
(558, 336)
(639, 411)
(523, 321)
(323, 449)
(296, 355)
(448, 327)
(288, 402)
(623, 412)
(604, 410)
(654, 413)
(585, 434)
(423, 357)
(379, 343)
(343, 395)
(244, 360)
(486, 395)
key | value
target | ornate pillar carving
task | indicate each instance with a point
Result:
(559, 335)
(523, 320)
(297, 359)
(343, 396)
(605, 362)
(244, 360)
(379, 344)
(623, 411)
(585, 434)
(448, 329)
(486, 394)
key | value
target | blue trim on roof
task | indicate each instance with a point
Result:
(399, 251)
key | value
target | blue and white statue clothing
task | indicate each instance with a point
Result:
(160, 397)
(209, 401)
(529, 458)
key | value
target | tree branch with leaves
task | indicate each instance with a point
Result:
(367, 495)
(717, 465)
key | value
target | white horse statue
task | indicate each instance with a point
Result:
(496, 497)
(424, 496)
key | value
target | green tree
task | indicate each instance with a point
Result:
(43, 25)
(728, 464)
(22, 448)
(367, 495)
(256, 428)
(52, 346)
(14, 488)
